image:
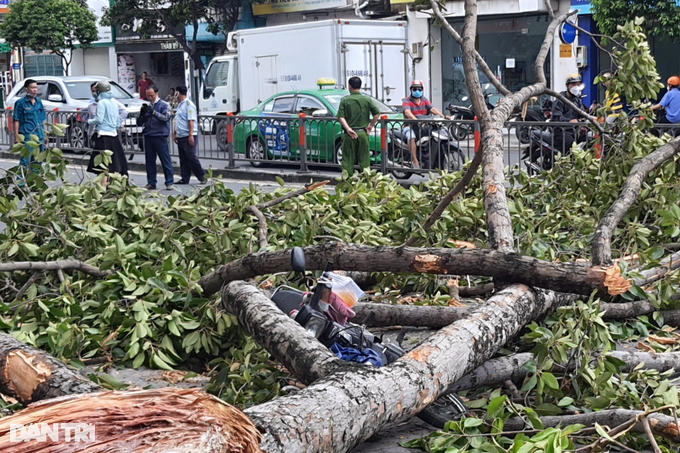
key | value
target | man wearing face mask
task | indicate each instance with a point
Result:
(671, 102)
(563, 136)
(417, 106)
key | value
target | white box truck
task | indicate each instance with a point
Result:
(266, 61)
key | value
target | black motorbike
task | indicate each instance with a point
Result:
(312, 312)
(436, 148)
(529, 114)
(461, 131)
(540, 153)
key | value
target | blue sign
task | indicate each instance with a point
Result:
(568, 33)
(583, 6)
(16, 66)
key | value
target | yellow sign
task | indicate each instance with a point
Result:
(566, 51)
(263, 7)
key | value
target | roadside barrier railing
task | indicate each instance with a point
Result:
(312, 143)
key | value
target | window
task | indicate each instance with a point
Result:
(308, 105)
(218, 74)
(54, 89)
(283, 105)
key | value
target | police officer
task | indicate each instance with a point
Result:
(354, 114)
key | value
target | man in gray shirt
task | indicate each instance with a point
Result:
(186, 132)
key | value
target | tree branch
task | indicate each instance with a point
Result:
(54, 266)
(601, 242)
(573, 277)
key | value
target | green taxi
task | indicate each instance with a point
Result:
(273, 133)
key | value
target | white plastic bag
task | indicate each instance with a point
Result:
(345, 288)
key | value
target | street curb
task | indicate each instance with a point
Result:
(226, 173)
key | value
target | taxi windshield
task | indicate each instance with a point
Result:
(334, 101)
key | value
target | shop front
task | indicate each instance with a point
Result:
(160, 56)
(509, 46)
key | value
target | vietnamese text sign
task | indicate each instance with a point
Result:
(292, 6)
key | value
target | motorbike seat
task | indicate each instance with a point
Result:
(398, 133)
(287, 300)
(543, 136)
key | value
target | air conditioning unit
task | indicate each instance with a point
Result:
(232, 41)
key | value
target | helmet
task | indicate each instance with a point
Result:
(574, 78)
(103, 86)
(674, 81)
(417, 84)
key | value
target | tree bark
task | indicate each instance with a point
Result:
(53, 266)
(361, 400)
(562, 277)
(29, 374)
(159, 420)
(602, 254)
(433, 317)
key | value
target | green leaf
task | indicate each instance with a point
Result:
(160, 363)
(550, 380)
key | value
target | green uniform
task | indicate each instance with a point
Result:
(358, 110)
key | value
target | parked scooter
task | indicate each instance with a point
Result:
(532, 114)
(436, 149)
(540, 154)
(320, 315)
(461, 131)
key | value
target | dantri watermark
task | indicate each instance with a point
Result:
(57, 432)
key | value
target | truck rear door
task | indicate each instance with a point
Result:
(267, 83)
(381, 66)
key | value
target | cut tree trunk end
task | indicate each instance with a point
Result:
(146, 421)
(29, 374)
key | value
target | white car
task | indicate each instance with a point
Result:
(70, 95)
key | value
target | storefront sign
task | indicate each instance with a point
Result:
(566, 51)
(293, 6)
(105, 33)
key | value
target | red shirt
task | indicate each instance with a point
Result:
(417, 109)
(143, 86)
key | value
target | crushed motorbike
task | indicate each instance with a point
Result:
(324, 312)
(436, 148)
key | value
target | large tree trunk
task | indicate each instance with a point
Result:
(29, 374)
(354, 402)
(151, 421)
(578, 278)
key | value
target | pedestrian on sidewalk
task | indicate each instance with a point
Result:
(144, 83)
(186, 134)
(156, 121)
(354, 114)
(29, 118)
(108, 123)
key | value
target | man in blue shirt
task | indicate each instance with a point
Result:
(185, 137)
(29, 118)
(671, 102)
(156, 118)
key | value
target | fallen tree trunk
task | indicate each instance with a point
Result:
(578, 278)
(361, 400)
(436, 317)
(29, 374)
(159, 420)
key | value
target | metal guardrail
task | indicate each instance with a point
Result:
(315, 143)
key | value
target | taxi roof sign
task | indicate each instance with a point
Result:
(325, 81)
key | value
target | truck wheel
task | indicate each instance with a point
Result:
(221, 135)
(337, 154)
(256, 151)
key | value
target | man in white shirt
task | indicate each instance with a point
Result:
(186, 133)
